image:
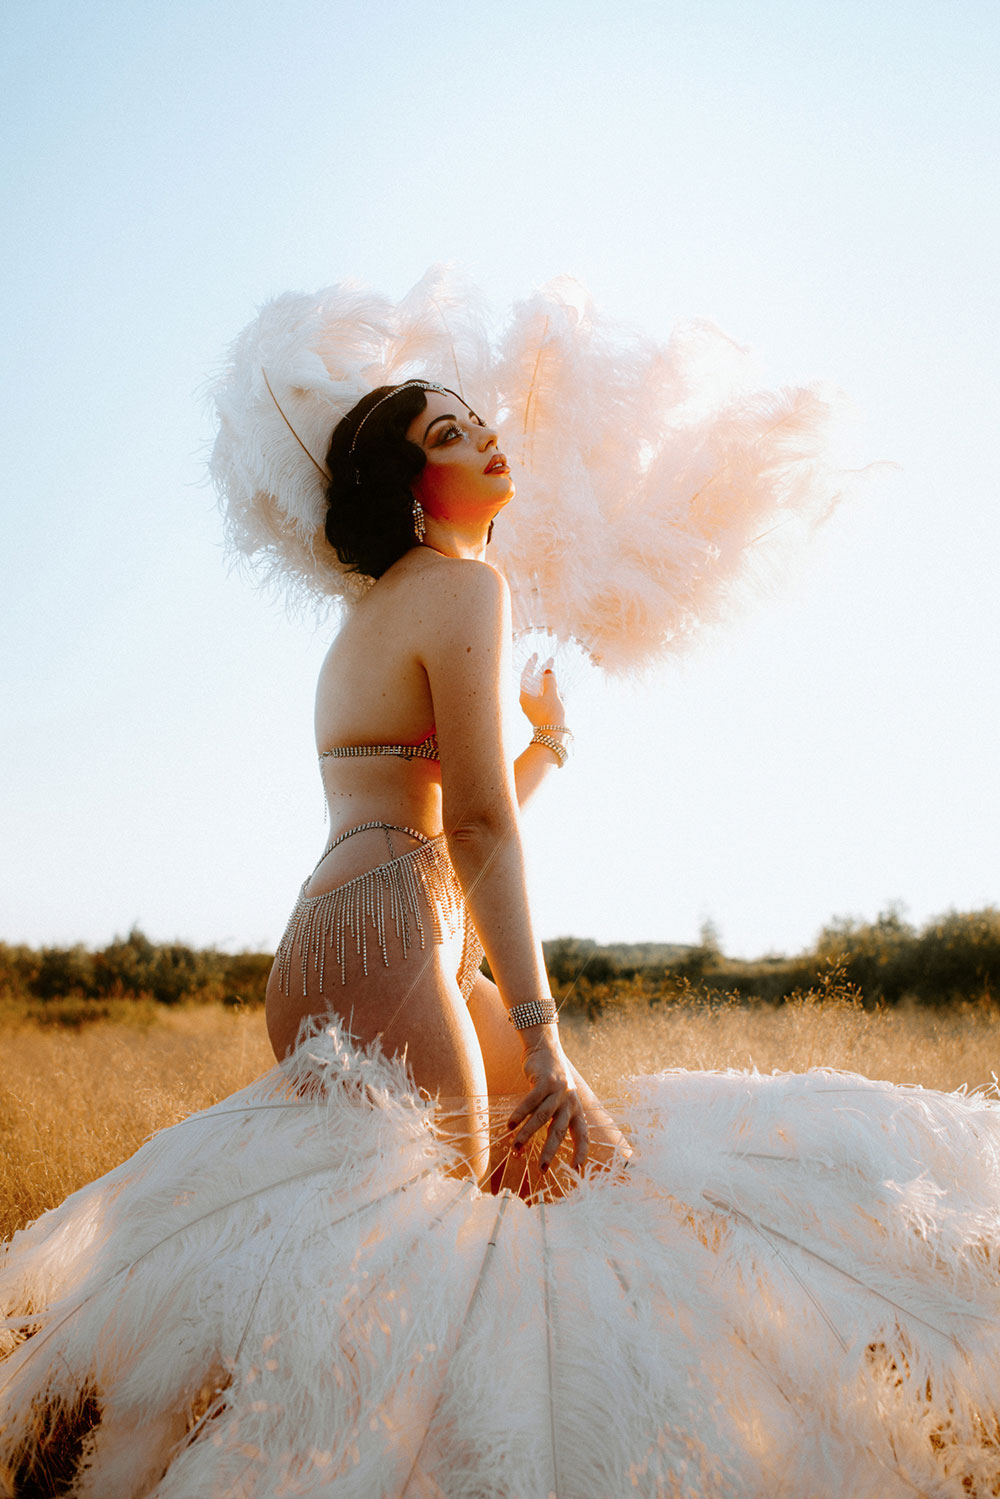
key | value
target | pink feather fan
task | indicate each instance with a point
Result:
(653, 482)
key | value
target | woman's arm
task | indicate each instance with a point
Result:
(463, 642)
(543, 709)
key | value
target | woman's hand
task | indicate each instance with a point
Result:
(540, 700)
(553, 1099)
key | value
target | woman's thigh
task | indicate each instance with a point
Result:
(413, 1006)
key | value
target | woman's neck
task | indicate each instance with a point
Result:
(462, 555)
(465, 536)
(452, 541)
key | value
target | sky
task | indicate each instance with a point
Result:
(818, 179)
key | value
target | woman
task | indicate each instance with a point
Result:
(795, 1287)
(418, 743)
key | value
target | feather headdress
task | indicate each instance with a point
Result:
(647, 474)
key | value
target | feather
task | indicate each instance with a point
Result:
(474, 1298)
(682, 485)
(323, 472)
(551, 1333)
(795, 1289)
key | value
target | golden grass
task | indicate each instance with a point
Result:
(947, 1049)
(75, 1103)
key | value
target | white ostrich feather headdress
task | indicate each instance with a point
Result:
(646, 474)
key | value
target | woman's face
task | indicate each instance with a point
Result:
(465, 475)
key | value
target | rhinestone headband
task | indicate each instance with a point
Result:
(406, 385)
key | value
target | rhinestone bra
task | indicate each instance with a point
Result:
(427, 749)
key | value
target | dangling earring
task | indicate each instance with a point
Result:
(419, 526)
(489, 534)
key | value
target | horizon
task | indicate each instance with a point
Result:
(893, 918)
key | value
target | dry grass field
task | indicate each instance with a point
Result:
(73, 1103)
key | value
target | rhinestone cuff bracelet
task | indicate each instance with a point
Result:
(534, 1012)
(557, 749)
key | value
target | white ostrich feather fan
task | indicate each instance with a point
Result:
(651, 479)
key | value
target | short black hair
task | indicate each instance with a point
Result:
(369, 513)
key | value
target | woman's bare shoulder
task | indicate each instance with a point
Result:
(438, 586)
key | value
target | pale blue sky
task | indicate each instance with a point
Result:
(819, 179)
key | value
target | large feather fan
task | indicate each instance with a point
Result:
(653, 481)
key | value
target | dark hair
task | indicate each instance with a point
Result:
(369, 514)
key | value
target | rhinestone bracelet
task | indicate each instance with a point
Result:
(554, 728)
(533, 1012)
(559, 750)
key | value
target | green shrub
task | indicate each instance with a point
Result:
(63, 971)
(244, 977)
(954, 957)
(170, 973)
(19, 968)
(958, 957)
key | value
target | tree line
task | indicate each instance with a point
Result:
(131, 968)
(952, 959)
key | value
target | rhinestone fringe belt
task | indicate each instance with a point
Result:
(391, 897)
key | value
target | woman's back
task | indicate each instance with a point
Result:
(372, 686)
(373, 690)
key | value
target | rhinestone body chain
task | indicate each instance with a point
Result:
(390, 897)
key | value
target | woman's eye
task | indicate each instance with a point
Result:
(451, 432)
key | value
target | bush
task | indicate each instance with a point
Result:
(169, 973)
(954, 957)
(71, 985)
(62, 971)
(572, 960)
(958, 956)
(244, 977)
(19, 967)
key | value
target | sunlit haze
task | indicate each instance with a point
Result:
(819, 180)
